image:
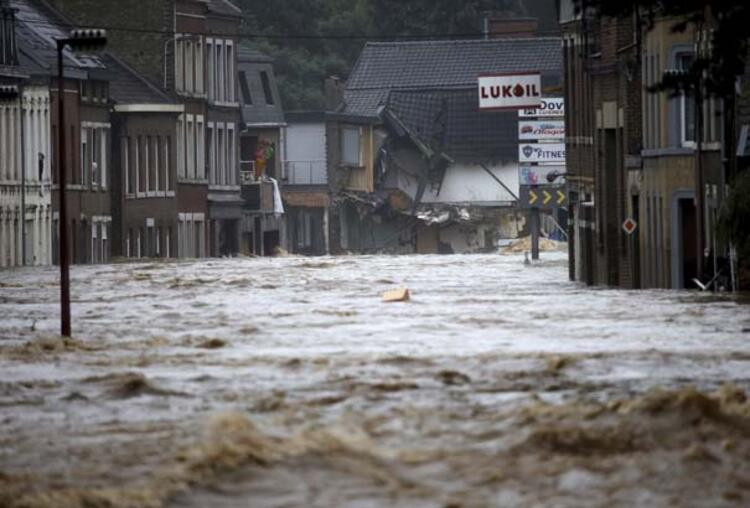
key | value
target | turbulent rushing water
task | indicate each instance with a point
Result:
(287, 382)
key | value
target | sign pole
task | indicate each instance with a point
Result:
(535, 227)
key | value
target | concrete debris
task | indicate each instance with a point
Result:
(397, 295)
(524, 245)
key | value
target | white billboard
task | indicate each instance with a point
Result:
(541, 130)
(542, 152)
(549, 106)
(503, 91)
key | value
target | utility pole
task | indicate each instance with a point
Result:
(535, 227)
(82, 40)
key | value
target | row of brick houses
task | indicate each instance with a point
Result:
(634, 154)
(155, 127)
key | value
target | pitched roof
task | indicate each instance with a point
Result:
(448, 121)
(386, 66)
(127, 87)
(37, 28)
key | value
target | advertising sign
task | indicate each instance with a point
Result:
(541, 175)
(549, 107)
(542, 152)
(503, 91)
(541, 130)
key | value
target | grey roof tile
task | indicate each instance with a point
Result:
(450, 122)
(384, 66)
(127, 87)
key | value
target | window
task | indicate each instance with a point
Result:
(125, 149)
(142, 161)
(350, 146)
(85, 161)
(211, 55)
(200, 148)
(167, 165)
(189, 72)
(687, 104)
(181, 147)
(229, 76)
(266, 87)
(191, 148)
(211, 151)
(245, 89)
(191, 235)
(221, 73)
(156, 167)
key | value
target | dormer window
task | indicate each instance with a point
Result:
(8, 54)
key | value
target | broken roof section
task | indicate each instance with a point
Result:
(384, 67)
(450, 122)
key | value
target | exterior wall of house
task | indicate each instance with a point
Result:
(145, 214)
(665, 189)
(145, 53)
(25, 127)
(87, 138)
(602, 92)
(306, 192)
(468, 184)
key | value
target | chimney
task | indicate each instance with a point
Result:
(505, 26)
(334, 92)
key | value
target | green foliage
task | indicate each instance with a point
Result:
(303, 63)
(735, 216)
(729, 36)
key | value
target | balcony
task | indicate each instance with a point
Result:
(309, 172)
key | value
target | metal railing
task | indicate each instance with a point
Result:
(247, 172)
(310, 172)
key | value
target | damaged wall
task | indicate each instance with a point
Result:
(466, 184)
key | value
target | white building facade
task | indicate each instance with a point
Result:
(25, 191)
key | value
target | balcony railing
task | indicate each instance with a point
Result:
(312, 172)
(247, 172)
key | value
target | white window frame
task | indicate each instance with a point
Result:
(200, 138)
(125, 159)
(211, 56)
(211, 152)
(181, 135)
(179, 80)
(350, 129)
(190, 146)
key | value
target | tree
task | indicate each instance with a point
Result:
(313, 39)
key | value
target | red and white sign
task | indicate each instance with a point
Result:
(503, 91)
(629, 225)
(550, 106)
(541, 130)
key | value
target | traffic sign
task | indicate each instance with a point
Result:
(629, 225)
(546, 197)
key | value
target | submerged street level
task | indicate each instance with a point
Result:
(289, 382)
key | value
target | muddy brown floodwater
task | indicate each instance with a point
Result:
(287, 382)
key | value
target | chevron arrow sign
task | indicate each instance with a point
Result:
(547, 197)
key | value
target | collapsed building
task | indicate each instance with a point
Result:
(423, 169)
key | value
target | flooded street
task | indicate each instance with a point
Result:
(288, 382)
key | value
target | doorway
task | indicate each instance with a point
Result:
(684, 256)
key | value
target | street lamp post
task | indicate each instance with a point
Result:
(84, 41)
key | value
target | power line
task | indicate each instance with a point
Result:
(277, 36)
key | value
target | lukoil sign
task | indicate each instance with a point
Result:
(542, 152)
(504, 91)
(549, 106)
